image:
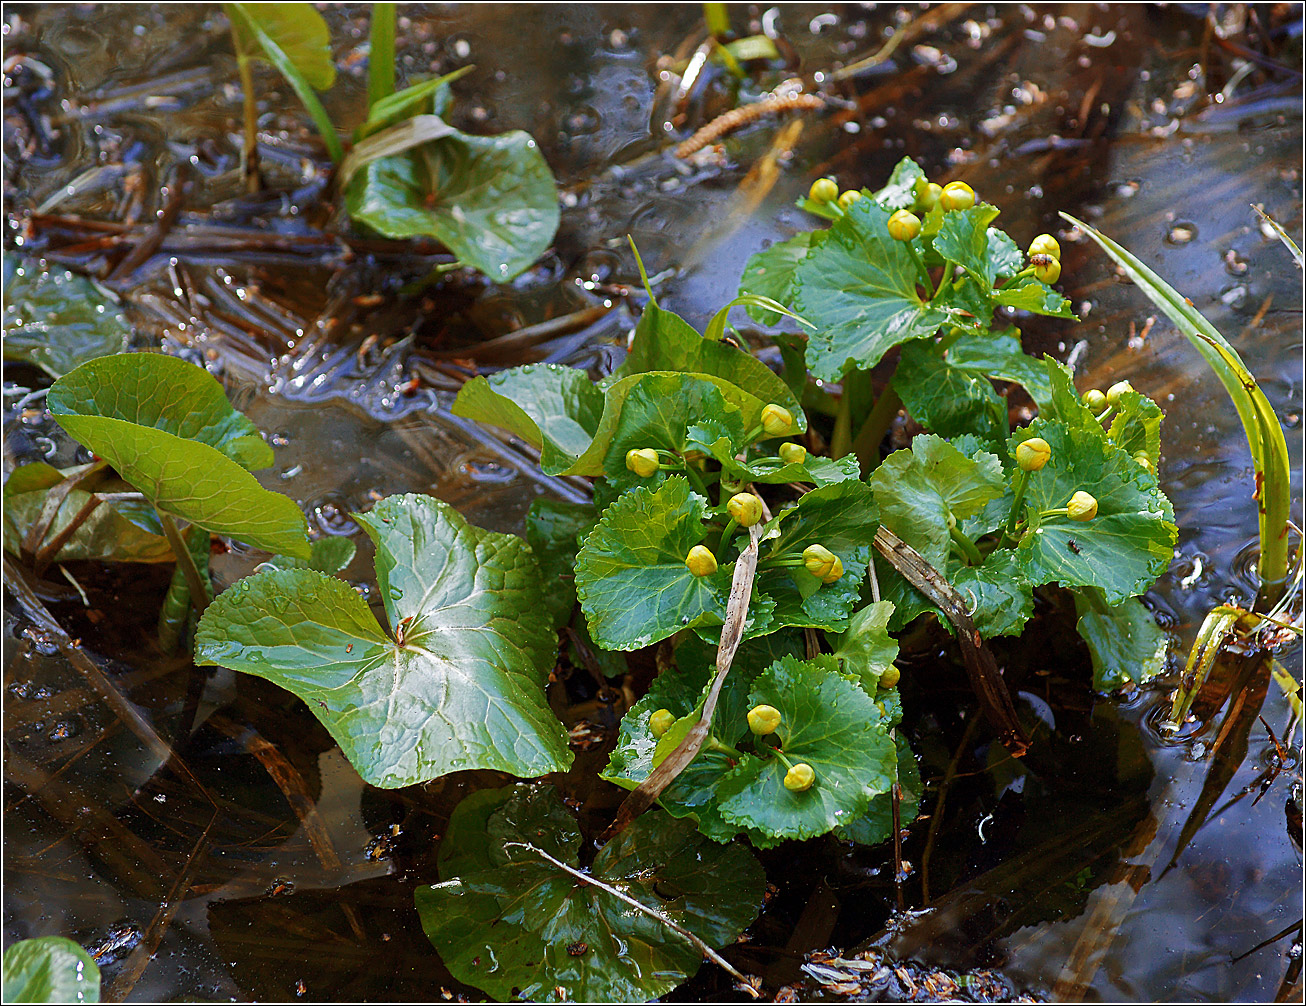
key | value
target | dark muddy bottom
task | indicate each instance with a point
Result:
(241, 856)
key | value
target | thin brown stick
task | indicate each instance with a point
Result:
(737, 118)
(51, 548)
(158, 230)
(741, 588)
(54, 500)
(593, 881)
(985, 678)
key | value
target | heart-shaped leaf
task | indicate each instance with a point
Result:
(298, 31)
(58, 320)
(876, 825)
(949, 400)
(50, 969)
(867, 650)
(166, 427)
(553, 530)
(461, 683)
(517, 926)
(490, 200)
(770, 273)
(828, 723)
(1124, 641)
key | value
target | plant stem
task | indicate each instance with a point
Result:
(866, 445)
(713, 744)
(948, 269)
(199, 595)
(696, 480)
(920, 265)
(968, 548)
(717, 20)
(381, 54)
(249, 152)
(842, 438)
(726, 534)
(1022, 482)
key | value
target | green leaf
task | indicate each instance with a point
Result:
(1000, 596)
(461, 684)
(770, 273)
(380, 55)
(631, 576)
(832, 725)
(329, 554)
(394, 107)
(167, 428)
(858, 287)
(1028, 294)
(876, 825)
(490, 200)
(899, 193)
(770, 470)
(1124, 641)
(519, 927)
(1136, 426)
(843, 518)
(665, 341)
(50, 969)
(963, 239)
(553, 531)
(58, 320)
(298, 31)
(949, 400)
(867, 650)
(1125, 547)
(998, 354)
(553, 408)
(116, 531)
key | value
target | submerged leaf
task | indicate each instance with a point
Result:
(461, 684)
(50, 969)
(553, 531)
(770, 273)
(58, 320)
(490, 200)
(1124, 641)
(517, 926)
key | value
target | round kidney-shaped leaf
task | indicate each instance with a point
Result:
(50, 969)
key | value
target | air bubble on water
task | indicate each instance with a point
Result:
(1181, 233)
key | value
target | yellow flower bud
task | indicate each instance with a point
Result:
(836, 571)
(643, 462)
(1046, 269)
(890, 677)
(822, 563)
(701, 561)
(777, 420)
(927, 196)
(660, 722)
(1033, 454)
(1082, 506)
(793, 454)
(846, 199)
(1095, 400)
(1045, 244)
(763, 719)
(957, 196)
(800, 778)
(904, 225)
(745, 508)
(823, 190)
(1114, 392)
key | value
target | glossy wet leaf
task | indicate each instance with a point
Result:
(1124, 641)
(827, 722)
(876, 825)
(843, 518)
(115, 531)
(553, 408)
(462, 689)
(167, 428)
(1136, 426)
(631, 577)
(998, 594)
(665, 341)
(899, 192)
(58, 320)
(329, 554)
(946, 399)
(490, 200)
(296, 28)
(519, 927)
(770, 273)
(999, 355)
(553, 531)
(770, 470)
(858, 287)
(1028, 294)
(966, 239)
(50, 969)
(1125, 547)
(867, 650)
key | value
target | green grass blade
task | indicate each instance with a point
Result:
(1288, 242)
(1264, 434)
(381, 54)
(716, 328)
(278, 58)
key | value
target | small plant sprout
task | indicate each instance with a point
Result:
(1114, 392)
(1095, 400)
(1082, 506)
(745, 509)
(763, 720)
(957, 196)
(1033, 454)
(1045, 244)
(823, 190)
(822, 563)
(777, 420)
(846, 199)
(701, 561)
(793, 454)
(904, 225)
(660, 721)
(1046, 268)
(643, 461)
(800, 778)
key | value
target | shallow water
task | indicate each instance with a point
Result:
(1028, 858)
